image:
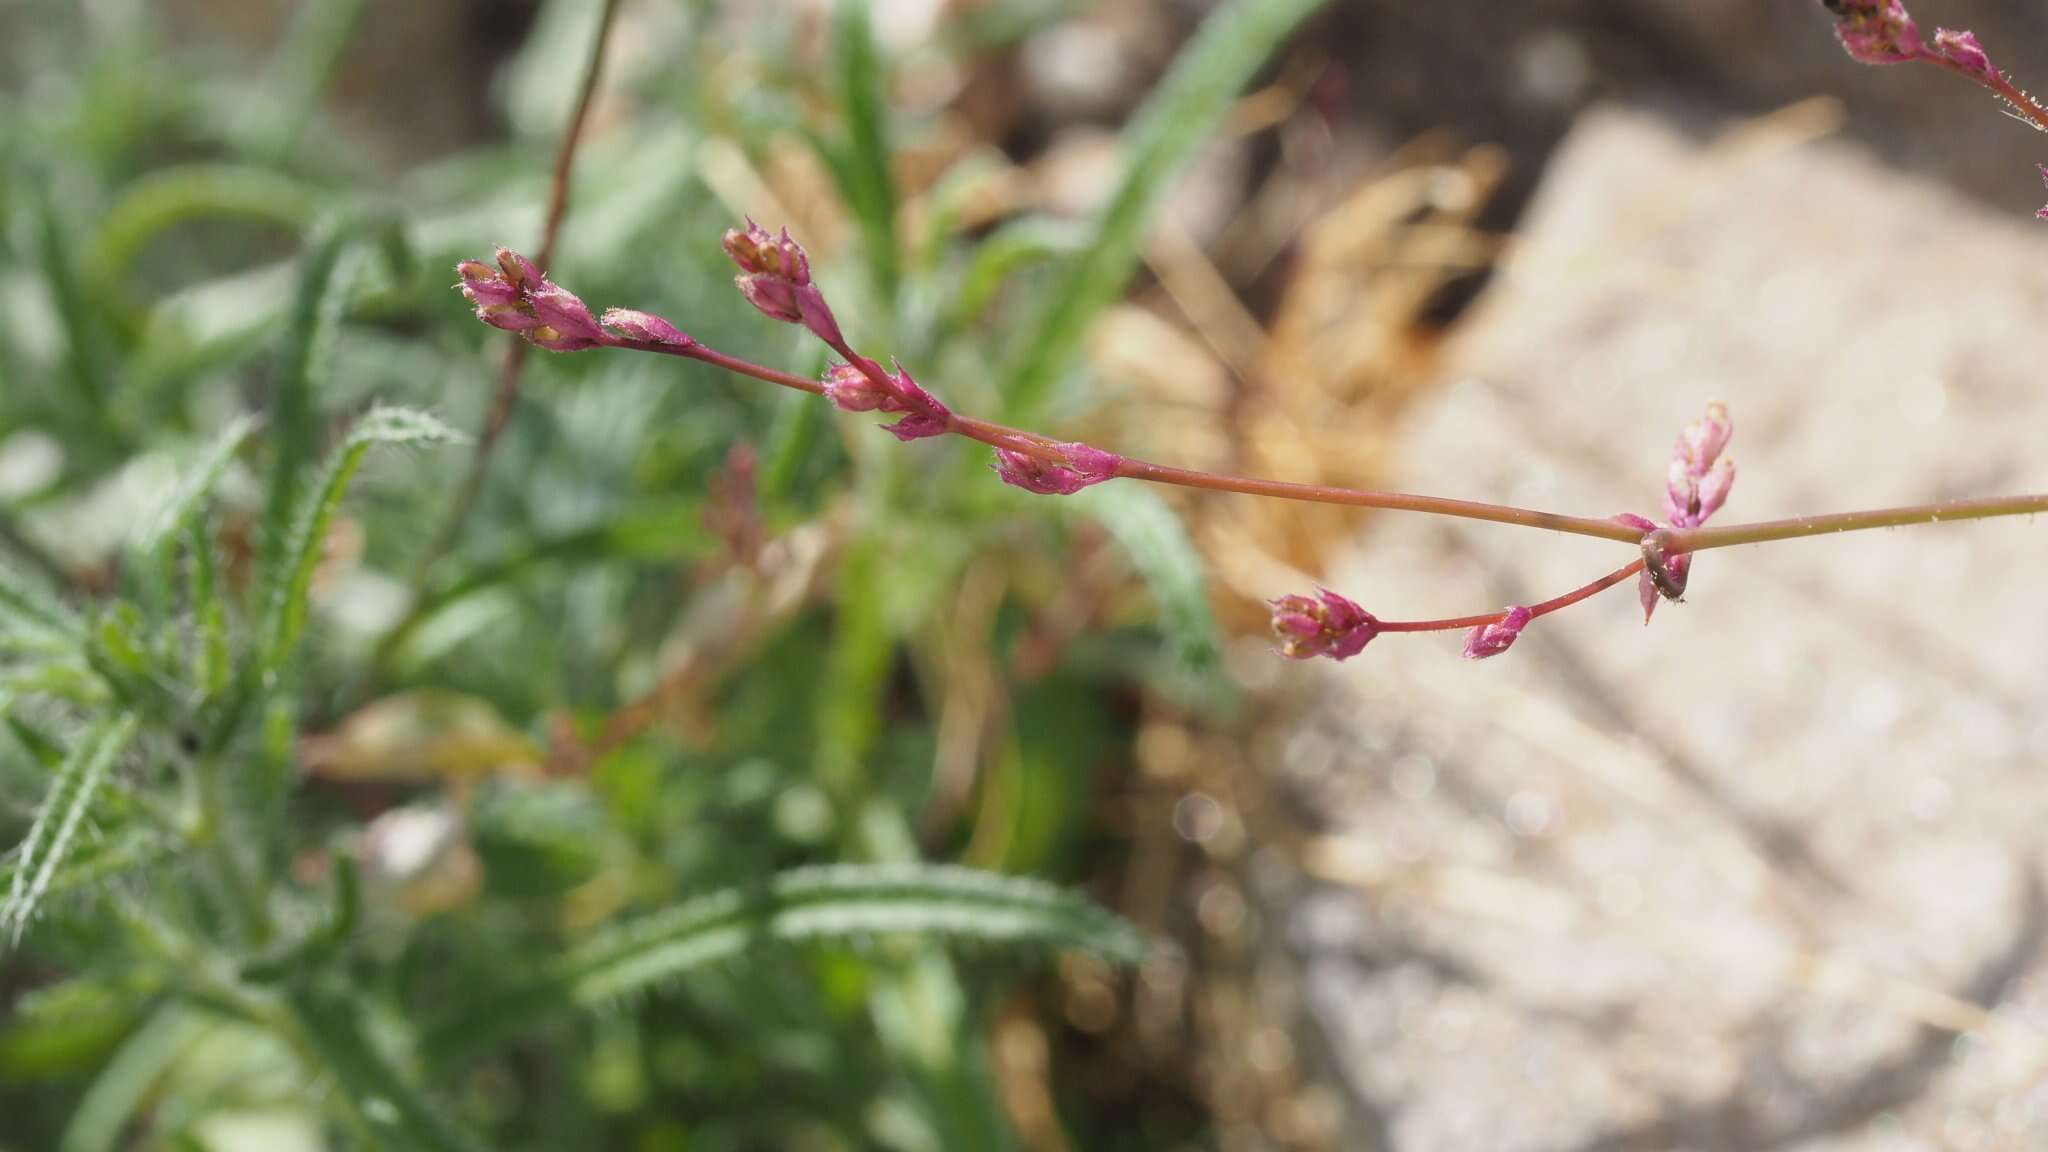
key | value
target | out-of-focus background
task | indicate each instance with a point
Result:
(1765, 874)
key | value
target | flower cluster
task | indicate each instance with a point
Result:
(864, 387)
(1883, 32)
(1079, 467)
(1325, 624)
(1695, 487)
(513, 295)
(775, 277)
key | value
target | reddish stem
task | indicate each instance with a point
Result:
(1553, 604)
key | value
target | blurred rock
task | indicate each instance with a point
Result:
(1767, 872)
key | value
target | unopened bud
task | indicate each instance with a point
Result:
(1497, 637)
(645, 327)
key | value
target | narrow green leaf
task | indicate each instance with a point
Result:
(118, 1092)
(1017, 244)
(317, 304)
(63, 811)
(861, 160)
(26, 600)
(188, 500)
(299, 72)
(1156, 541)
(379, 1093)
(170, 196)
(84, 335)
(293, 581)
(1187, 106)
(835, 902)
(212, 671)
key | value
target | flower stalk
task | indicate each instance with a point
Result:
(512, 293)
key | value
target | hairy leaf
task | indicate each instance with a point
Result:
(833, 902)
(286, 617)
(175, 517)
(63, 811)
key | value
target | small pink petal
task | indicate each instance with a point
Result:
(510, 317)
(519, 271)
(564, 311)
(1962, 49)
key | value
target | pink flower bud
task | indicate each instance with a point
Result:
(776, 298)
(1497, 637)
(916, 427)
(1325, 624)
(563, 311)
(1643, 524)
(645, 327)
(775, 277)
(1083, 466)
(761, 253)
(1962, 50)
(852, 390)
(1876, 31)
(865, 387)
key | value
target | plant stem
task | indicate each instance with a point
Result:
(1002, 436)
(1676, 540)
(1555, 603)
(506, 398)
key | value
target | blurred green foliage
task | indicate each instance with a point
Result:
(319, 849)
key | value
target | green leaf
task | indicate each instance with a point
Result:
(834, 902)
(326, 273)
(1187, 106)
(28, 601)
(380, 1094)
(1022, 242)
(182, 509)
(1156, 541)
(63, 811)
(170, 196)
(117, 1094)
(293, 580)
(861, 160)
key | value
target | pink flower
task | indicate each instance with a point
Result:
(775, 277)
(1497, 637)
(1325, 624)
(865, 387)
(645, 327)
(516, 297)
(1876, 31)
(1696, 484)
(1083, 466)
